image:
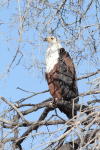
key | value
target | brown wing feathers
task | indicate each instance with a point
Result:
(62, 80)
(67, 79)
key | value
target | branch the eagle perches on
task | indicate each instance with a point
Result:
(34, 125)
(49, 108)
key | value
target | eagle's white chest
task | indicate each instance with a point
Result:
(52, 56)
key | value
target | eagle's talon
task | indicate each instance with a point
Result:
(55, 100)
(51, 104)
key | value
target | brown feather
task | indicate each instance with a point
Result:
(62, 81)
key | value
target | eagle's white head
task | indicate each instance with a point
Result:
(52, 40)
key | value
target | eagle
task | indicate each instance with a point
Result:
(60, 74)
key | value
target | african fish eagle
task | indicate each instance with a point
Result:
(60, 74)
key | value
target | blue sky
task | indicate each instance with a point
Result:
(31, 80)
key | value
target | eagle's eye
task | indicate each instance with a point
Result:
(52, 38)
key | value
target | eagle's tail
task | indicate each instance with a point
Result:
(68, 112)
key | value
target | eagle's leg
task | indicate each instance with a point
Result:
(53, 102)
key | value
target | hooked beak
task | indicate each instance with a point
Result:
(45, 39)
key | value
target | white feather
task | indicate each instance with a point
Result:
(52, 56)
